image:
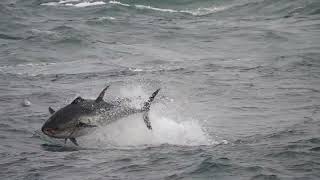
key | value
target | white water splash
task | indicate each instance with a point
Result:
(131, 131)
(136, 95)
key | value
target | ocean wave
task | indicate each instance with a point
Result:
(241, 8)
(52, 68)
(194, 12)
(289, 154)
(211, 165)
(86, 4)
(119, 3)
(9, 37)
(283, 9)
(74, 3)
(264, 176)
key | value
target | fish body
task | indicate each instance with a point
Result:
(82, 116)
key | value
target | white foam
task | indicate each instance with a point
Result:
(67, 1)
(132, 131)
(59, 3)
(86, 4)
(136, 94)
(155, 9)
(26, 103)
(74, 4)
(135, 69)
(106, 18)
(119, 3)
(194, 12)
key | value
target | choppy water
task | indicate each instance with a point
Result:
(240, 83)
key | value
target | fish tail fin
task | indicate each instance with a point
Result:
(146, 109)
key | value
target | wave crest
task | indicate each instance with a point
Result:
(74, 3)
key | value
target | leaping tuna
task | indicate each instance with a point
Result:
(83, 115)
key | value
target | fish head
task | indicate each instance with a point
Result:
(66, 122)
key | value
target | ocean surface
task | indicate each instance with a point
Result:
(239, 79)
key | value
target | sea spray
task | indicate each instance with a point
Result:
(131, 131)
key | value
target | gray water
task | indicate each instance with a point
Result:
(239, 79)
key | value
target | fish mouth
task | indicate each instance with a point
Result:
(58, 133)
(49, 131)
(71, 132)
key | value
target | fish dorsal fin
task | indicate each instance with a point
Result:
(77, 100)
(51, 110)
(101, 95)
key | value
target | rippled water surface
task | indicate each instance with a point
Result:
(239, 79)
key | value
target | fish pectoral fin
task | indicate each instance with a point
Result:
(82, 124)
(74, 141)
(101, 95)
(147, 120)
(51, 110)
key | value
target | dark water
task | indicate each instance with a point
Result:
(240, 83)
